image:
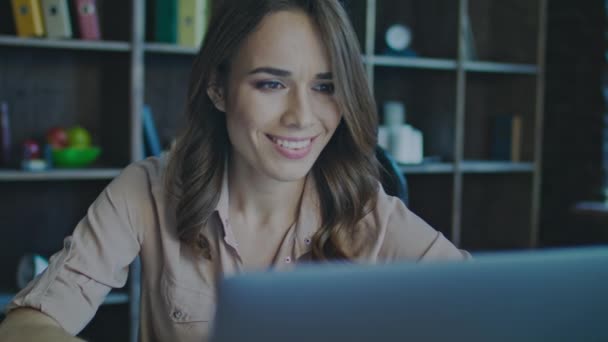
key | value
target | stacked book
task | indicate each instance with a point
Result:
(181, 22)
(56, 18)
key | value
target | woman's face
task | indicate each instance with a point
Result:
(280, 107)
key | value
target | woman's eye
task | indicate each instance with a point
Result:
(269, 85)
(327, 88)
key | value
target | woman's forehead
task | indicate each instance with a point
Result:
(288, 40)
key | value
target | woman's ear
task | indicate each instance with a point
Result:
(216, 94)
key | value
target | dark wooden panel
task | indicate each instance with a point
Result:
(431, 199)
(505, 31)
(433, 23)
(496, 211)
(46, 88)
(489, 95)
(429, 97)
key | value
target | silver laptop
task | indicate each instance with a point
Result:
(548, 295)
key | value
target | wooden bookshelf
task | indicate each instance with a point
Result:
(450, 97)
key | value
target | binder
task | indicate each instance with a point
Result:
(88, 19)
(166, 21)
(192, 24)
(57, 18)
(28, 18)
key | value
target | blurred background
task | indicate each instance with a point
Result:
(493, 109)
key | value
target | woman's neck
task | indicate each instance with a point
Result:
(260, 201)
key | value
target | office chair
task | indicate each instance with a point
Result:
(392, 178)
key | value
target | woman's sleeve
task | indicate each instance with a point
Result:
(96, 257)
(407, 237)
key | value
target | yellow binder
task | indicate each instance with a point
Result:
(28, 18)
(192, 17)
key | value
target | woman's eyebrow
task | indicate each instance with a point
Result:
(272, 71)
(285, 73)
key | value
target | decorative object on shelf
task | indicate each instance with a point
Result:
(75, 157)
(71, 148)
(30, 266)
(506, 138)
(151, 140)
(32, 156)
(404, 142)
(57, 18)
(28, 18)
(88, 19)
(398, 38)
(5, 135)
(165, 29)
(57, 137)
(192, 21)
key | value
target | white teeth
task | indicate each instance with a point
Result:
(294, 145)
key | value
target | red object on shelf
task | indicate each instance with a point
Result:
(57, 137)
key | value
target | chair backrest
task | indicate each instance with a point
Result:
(392, 178)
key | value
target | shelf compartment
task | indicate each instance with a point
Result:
(428, 39)
(505, 31)
(167, 79)
(61, 89)
(430, 101)
(492, 101)
(66, 44)
(7, 175)
(496, 211)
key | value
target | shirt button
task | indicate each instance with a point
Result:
(288, 260)
(178, 314)
(307, 241)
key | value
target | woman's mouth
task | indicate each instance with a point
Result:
(292, 148)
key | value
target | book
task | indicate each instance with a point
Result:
(57, 18)
(88, 19)
(165, 12)
(506, 138)
(28, 18)
(151, 139)
(192, 21)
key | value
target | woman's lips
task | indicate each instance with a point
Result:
(292, 147)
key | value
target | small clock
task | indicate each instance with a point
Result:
(398, 37)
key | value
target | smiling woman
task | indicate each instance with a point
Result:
(276, 167)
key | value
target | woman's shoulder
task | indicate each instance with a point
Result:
(399, 233)
(146, 172)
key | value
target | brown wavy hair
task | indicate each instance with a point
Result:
(346, 172)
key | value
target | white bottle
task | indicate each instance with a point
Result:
(404, 141)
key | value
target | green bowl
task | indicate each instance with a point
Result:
(72, 157)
